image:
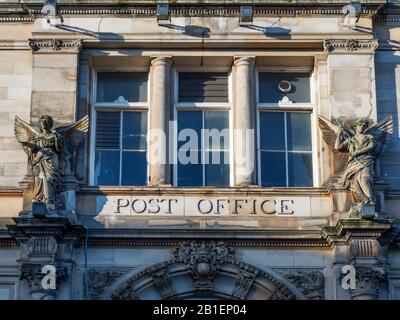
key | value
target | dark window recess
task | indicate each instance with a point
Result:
(121, 87)
(269, 84)
(203, 87)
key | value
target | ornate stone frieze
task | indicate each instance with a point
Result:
(350, 46)
(102, 277)
(311, 282)
(55, 45)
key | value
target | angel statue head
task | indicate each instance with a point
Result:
(360, 148)
(49, 154)
(361, 125)
(46, 123)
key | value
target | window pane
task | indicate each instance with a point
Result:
(269, 87)
(298, 131)
(130, 86)
(217, 120)
(107, 168)
(203, 87)
(189, 173)
(300, 170)
(107, 130)
(134, 168)
(134, 130)
(273, 169)
(217, 172)
(190, 120)
(272, 131)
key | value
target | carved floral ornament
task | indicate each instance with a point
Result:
(205, 261)
(350, 46)
(55, 45)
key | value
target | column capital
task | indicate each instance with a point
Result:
(245, 60)
(161, 60)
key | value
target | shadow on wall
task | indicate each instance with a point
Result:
(388, 102)
(273, 32)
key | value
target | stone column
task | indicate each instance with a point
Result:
(159, 120)
(244, 134)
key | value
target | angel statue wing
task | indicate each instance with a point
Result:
(73, 135)
(380, 131)
(329, 132)
(24, 131)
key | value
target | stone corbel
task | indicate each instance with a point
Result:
(350, 46)
(55, 45)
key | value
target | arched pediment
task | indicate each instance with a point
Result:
(202, 270)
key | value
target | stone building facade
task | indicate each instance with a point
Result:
(130, 228)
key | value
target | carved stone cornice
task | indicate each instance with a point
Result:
(350, 46)
(212, 9)
(346, 230)
(55, 45)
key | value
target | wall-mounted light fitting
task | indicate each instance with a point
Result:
(163, 12)
(52, 15)
(246, 14)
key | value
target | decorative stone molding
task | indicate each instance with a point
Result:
(162, 279)
(311, 282)
(244, 281)
(364, 248)
(350, 46)
(55, 45)
(204, 261)
(42, 246)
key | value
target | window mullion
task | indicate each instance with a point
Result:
(120, 146)
(286, 150)
(203, 152)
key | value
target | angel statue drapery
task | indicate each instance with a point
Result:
(360, 147)
(49, 152)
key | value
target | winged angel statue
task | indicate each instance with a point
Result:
(50, 152)
(360, 147)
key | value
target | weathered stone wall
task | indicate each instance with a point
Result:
(15, 99)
